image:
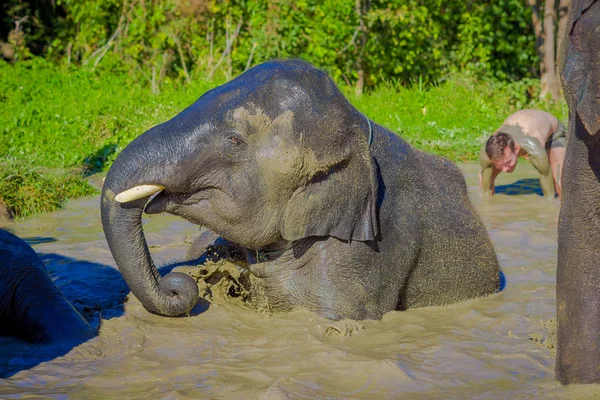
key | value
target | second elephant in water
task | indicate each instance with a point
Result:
(32, 308)
(353, 220)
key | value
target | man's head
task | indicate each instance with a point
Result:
(502, 151)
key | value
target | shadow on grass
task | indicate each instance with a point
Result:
(96, 161)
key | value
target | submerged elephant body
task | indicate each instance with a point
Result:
(430, 249)
(31, 306)
(353, 220)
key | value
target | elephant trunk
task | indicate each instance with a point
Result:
(172, 295)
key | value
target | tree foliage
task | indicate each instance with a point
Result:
(154, 40)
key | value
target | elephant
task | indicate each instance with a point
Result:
(578, 268)
(352, 222)
(32, 308)
(201, 243)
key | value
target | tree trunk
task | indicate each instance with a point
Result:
(536, 19)
(546, 40)
(361, 10)
(563, 12)
(548, 79)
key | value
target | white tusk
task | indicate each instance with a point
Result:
(138, 192)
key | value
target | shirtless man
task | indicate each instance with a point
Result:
(532, 134)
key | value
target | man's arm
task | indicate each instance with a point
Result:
(546, 178)
(487, 175)
(539, 159)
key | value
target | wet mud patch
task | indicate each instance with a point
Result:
(344, 328)
(225, 282)
(223, 278)
(544, 334)
(228, 282)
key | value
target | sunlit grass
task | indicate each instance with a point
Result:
(77, 120)
(28, 190)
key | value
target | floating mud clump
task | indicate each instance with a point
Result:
(226, 282)
(344, 328)
(545, 334)
(223, 281)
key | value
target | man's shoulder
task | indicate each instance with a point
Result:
(529, 143)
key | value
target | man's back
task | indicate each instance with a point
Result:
(534, 123)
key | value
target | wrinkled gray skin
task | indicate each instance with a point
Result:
(31, 306)
(277, 160)
(578, 271)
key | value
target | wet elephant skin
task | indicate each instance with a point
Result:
(31, 306)
(578, 270)
(354, 221)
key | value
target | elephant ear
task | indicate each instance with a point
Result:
(339, 198)
(580, 63)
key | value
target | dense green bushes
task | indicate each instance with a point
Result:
(404, 40)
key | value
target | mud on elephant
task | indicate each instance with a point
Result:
(32, 308)
(354, 222)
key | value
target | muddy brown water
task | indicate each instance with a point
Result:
(497, 347)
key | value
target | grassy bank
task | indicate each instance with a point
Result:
(57, 125)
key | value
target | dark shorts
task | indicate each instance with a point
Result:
(558, 138)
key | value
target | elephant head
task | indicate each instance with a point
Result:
(32, 307)
(276, 154)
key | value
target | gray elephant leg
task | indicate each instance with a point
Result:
(31, 306)
(578, 272)
(456, 261)
(578, 269)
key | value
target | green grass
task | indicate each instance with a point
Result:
(28, 190)
(76, 121)
(61, 118)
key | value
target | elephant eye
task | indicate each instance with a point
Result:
(235, 139)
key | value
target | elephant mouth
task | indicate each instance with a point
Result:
(157, 204)
(170, 202)
(158, 200)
